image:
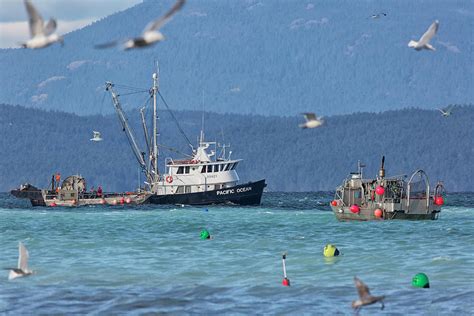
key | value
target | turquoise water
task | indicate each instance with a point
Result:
(109, 260)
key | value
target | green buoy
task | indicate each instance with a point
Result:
(205, 234)
(330, 251)
(421, 280)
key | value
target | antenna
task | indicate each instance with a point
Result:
(202, 118)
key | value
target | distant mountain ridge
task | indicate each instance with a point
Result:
(269, 57)
(35, 144)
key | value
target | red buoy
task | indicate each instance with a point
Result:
(439, 200)
(334, 203)
(122, 200)
(378, 213)
(380, 190)
(286, 281)
(53, 204)
(355, 208)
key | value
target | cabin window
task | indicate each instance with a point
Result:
(187, 189)
(180, 170)
(216, 168)
(222, 167)
(180, 189)
(186, 169)
(234, 166)
(227, 168)
(203, 170)
(209, 168)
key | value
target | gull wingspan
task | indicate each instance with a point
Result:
(35, 20)
(425, 39)
(23, 257)
(157, 24)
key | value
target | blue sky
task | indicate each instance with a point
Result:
(71, 14)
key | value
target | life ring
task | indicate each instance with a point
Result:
(169, 179)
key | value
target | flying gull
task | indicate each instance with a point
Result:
(42, 35)
(378, 15)
(311, 121)
(151, 33)
(22, 269)
(447, 111)
(364, 296)
(96, 137)
(424, 42)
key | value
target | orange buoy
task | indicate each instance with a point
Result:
(378, 213)
(355, 208)
(334, 203)
(439, 200)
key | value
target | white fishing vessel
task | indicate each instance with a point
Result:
(202, 177)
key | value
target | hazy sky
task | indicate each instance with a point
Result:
(70, 14)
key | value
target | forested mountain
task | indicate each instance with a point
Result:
(34, 144)
(270, 57)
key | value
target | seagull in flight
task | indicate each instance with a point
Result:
(22, 269)
(311, 121)
(364, 296)
(424, 42)
(378, 15)
(447, 111)
(96, 137)
(42, 35)
(151, 34)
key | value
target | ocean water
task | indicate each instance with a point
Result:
(150, 259)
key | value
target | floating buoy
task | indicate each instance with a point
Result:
(128, 200)
(330, 251)
(379, 190)
(205, 234)
(378, 213)
(286, 281)
(334, 203)
(421, 280)
(73, 202)
(355, 208)
(205, 210)
(53, 204)
(122, 200)
(439, 200)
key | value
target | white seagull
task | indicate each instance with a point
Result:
(311, 121)
(151, 34)
(364, 296)
(424, 42)
(22, 269)
(96, 137)
(447, 111)
(42, 35)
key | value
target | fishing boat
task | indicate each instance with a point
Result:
(387, 197)
(202, 177)
(72, 193)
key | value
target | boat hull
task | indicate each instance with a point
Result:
(31, 193)
(244, 194)
(344, 214)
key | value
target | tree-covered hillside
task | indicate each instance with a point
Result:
(270, 57)
(34, 144)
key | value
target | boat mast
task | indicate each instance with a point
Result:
(155, 128)
(126, 128)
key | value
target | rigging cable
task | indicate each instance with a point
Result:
(175, 120)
